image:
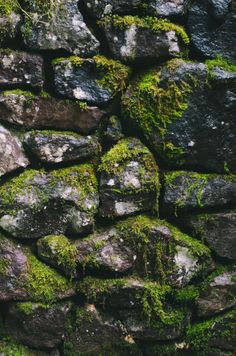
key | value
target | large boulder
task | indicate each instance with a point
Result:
(129, 179)
(36, 203)
(9, 20)
(12, 155)
(96, 80)
(33, 112)
(185, 110)
(20, 69)
(212, 28)
(58, 25)
(132, 38)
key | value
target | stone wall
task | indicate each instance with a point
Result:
(117, 177)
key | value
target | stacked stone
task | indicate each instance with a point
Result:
(117, 183)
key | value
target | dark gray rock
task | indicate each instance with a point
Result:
(138, 39)
(185, 191)
(12, 155)
(57, 147)
(32, 112)
(218, 296)
(129, 179)
(212, 28)
(95, 80)
(217, 230)
(9, 26)
(18, 69)
(186, 112)
(58, 25)
(167, 8)
(113, 131)
(37, 203)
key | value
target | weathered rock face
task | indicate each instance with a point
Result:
(9, 25)
(129, 180)
(32, 112)
(37, 203)
(212, 28)
(11, 152)
(58, 25)
(113, 131)
(185, 111)
(168, 8)
(95, 80)
(20, 69)
(53, 147)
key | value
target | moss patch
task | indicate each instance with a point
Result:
(28, 307)
(8, 347)
(8, 6)
(218, 62)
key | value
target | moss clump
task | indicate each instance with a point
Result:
(53, 132)
(28, 307)
(8, 347)
(218, 62)
(156, 25)
(27, 94)
(58, 247)
(187, 295)
(8, 6)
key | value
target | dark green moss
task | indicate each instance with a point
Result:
(8, 347)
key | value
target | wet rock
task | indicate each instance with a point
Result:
(185, 110)
(185, 191)
(23, 277)
(113, 132)
(129, 180)
(212, 28)
(95, 80)
(58, 25)
(217, 230)
(20, 69)
(9, 25)
(37, 203)
(57, 147)
(37, 325)
(12, 154)
(32, 112)
(218, 296)
(132, 38)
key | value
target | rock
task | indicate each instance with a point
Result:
(37, 203)
(59, 252)
(167, 8)
(58, 25)
(129, 180)
(219, 295)
(95, 80)
(33, 112)
(217, 230)
(23, 277)
(37, 325)
(9, 25)
(212, 28)
(113, 131)
(185, 110)
(12, 154)
(57, 147)
(185, 191)
(132, 38)
(144, 247)
(20, 69)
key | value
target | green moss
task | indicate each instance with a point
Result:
(45, 95)
(187, 295)
(28, 307)
(27, 94)
(83, 105)
(54, 132)
(156, 25)
(8, 347)
(8, 6)
(218, 62)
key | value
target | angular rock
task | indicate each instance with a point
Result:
(185, 191)
(37, 203)
(185, 110)
(18, 69)
(95, 80)
(57, 147)
(9, 22)
(145, 247)
(129, 180)
(33, 112)
(218, 296)
(37, 325)
(113, 131)
(217, 230)
(132, 38)
(58, 25)
(167, 8)
(12, 155)
(212, 28)
(23, 277)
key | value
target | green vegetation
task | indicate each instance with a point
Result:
(187, 295)
(8, 6)
(220, 63)
(8, 347)
(27, 94)
(28, 307)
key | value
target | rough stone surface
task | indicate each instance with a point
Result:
(20, 69)
(217, 230)
(53, 147)
(113, 131)
(58, 26)
(33, 112)
(212, 28)
(192, 122)
(129, 180)
(9, 26)
(168, 8)
(12, 155)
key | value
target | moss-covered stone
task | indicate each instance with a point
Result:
(9, 347)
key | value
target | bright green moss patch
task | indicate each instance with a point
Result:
(8, 6)
(28, 307)
(220, 63)
(8, 347)
(187, 295)
(27, 94)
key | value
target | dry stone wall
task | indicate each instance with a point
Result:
(117, 177)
